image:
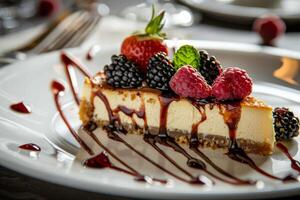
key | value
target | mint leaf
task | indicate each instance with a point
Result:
(186, 55)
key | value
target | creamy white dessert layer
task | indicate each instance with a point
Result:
(256, 122)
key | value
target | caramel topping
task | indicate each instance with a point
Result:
(253, 102)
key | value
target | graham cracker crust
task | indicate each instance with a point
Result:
(205, 140)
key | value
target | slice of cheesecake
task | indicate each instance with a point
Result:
(145, 110)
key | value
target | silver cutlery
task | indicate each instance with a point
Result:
(69, 32)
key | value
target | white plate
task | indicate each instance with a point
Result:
(29, 81)
(245, 11)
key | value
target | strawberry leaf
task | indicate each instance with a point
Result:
(156, 24)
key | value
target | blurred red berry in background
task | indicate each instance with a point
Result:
(47, 8)
(269, 28)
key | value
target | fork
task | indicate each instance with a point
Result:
(70, 32)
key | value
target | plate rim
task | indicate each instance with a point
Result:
(210, 7)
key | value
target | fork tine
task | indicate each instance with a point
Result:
(56, 33)
(81, 36)
(70, 31)
(84, 25)
(35, 41)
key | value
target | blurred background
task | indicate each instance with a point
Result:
(21, 21)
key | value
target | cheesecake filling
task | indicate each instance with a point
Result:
(214, 125)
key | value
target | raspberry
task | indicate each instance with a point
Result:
(159, 71)
(286, 125)
(269, 28)
(233, 84)
(188, 82)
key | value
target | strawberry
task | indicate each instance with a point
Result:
(140, 47)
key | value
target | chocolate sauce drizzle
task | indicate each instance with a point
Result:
(113, 115)
(58, 90)
(131, 171)
(70, 62)
(165, 101)
(92, 52)
(163, 139)
(194, 146)
(194, 142)
(295, 164)
(102, 161)
(114, 129)
(191, 161)
(20, 108)
(113, 134)
(30, 147)
(130, 112)
(231, 113)
(89, 128)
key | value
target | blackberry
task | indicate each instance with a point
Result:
(286, 125)
(122, 73)
(159, 71)
(209, 67)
